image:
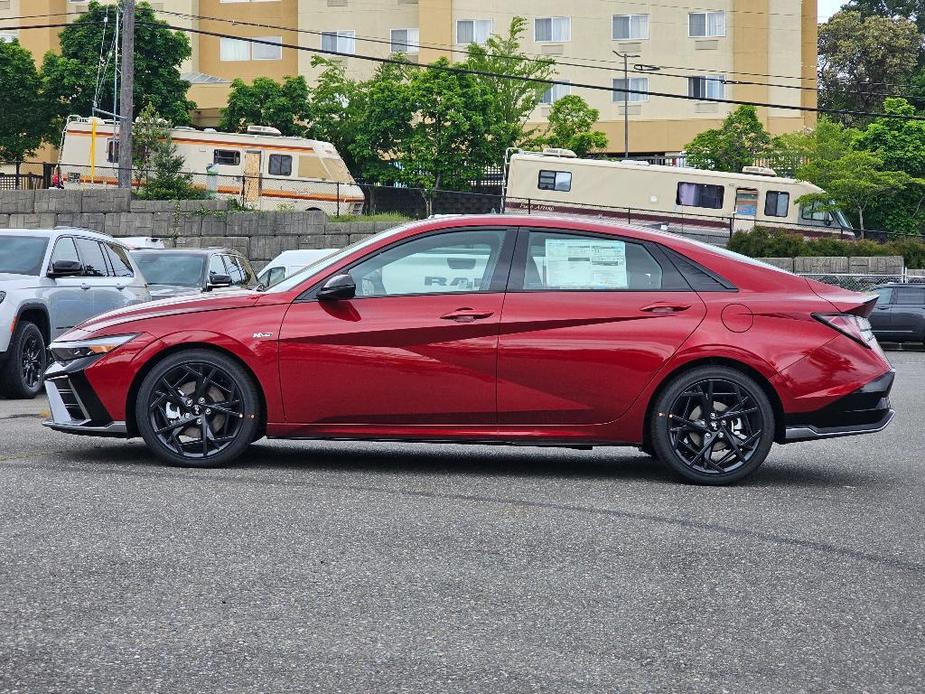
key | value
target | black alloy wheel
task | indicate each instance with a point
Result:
(198, 409)
(713, 425)
(23, 373)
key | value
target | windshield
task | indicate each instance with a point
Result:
(297, 278)
(175, 269)
(22, 255)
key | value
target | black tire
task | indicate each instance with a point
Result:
(23, 371)
(695, 432)
(198, 408)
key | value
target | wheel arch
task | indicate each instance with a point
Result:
(38, 315)
(130, 420)
(741, 366)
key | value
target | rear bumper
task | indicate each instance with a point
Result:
(865, 411)
(75, 408)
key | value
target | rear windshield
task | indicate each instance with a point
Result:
(174, 269)
(22, 255)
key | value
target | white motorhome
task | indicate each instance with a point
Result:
(260, 168)
(677, 198)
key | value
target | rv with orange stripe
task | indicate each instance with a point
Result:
(261, 168)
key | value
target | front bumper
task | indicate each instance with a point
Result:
(865, 411)
(75, 408)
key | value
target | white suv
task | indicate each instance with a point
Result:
(50, 281)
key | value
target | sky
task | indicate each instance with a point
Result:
(828, 7)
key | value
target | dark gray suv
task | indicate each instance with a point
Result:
(900, 313)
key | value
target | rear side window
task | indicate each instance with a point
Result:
(280, 165)
(555, 180)
(700, 195)
(92, 257)
(560, 262)
(118, 260)
(777, 204)
(910, 296)
(226, 157)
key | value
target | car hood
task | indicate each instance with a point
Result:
(10, 281)
(108, 322)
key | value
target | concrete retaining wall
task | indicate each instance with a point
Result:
(182, 224)
(831, 265)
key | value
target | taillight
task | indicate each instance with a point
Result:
(855, 327)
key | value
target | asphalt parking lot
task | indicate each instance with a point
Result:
(416, 568)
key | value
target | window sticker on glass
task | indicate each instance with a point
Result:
(585, 264)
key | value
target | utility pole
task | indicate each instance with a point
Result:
(127, 101)
(626, 102)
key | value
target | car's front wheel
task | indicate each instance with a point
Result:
(198, 408)
(24, 368)
(712, 425)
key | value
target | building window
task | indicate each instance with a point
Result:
(226, 157)
(6, 37)
(265, 51)
(473, 31)
(638, 86)
(706, 87)
(555, 92)
(776, 204)
(280, 165)
(555, 180)
(630, 26)
(235, 50)
(405, 41)
(706, 24)
(547, 29)
(700, 195)
(339, 41)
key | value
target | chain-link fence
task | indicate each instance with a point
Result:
(858, 283)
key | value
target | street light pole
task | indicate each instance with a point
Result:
(626, 102)
(126, 100)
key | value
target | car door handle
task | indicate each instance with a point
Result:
(665, 308)
(85, 286)
(465, 315)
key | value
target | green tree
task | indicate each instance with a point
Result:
(71, 77)
(282, 105)
(737, 143)
(913, 10)
(149, 133)
(24, 120)
(900, 144)
(513, 100)
(571, 125)
(859, 57)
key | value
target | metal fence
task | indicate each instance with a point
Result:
(861, 283)
(26, 181)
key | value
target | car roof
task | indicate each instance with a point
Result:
(188, 251)
(60, 231)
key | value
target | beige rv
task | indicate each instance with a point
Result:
(674, 197)
(260, 168)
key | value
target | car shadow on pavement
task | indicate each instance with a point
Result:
(501, 461)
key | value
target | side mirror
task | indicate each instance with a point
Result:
(66, 268)
(338, 287)
(219, 281)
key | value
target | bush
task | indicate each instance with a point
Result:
(776, 243)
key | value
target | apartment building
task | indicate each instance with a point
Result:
(751, 50)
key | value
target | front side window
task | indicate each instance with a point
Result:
(706, 87)
(700, 195)
(404, 41)
(238, 277)
(706, 24)
(455, 262)
(226, 157)
(552, 29)
(339, 41)
(23, 255)
(473, 31)
(559, 261)
(555, 180)
(636, 86)
(271, 49)
(274, 275)
(815, 212)
(91, 254)
(777, 204)
(65, 250)
(630, 26)
(555, 92)
(280, 165)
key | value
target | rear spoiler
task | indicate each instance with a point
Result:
(844, 300)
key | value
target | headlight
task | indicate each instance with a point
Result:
(68, 351)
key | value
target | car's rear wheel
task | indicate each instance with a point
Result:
(198, 408)
(22, 373)
(712, 425)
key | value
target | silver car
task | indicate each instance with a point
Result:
(50, 281)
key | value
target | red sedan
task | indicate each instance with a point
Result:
(492, 329)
